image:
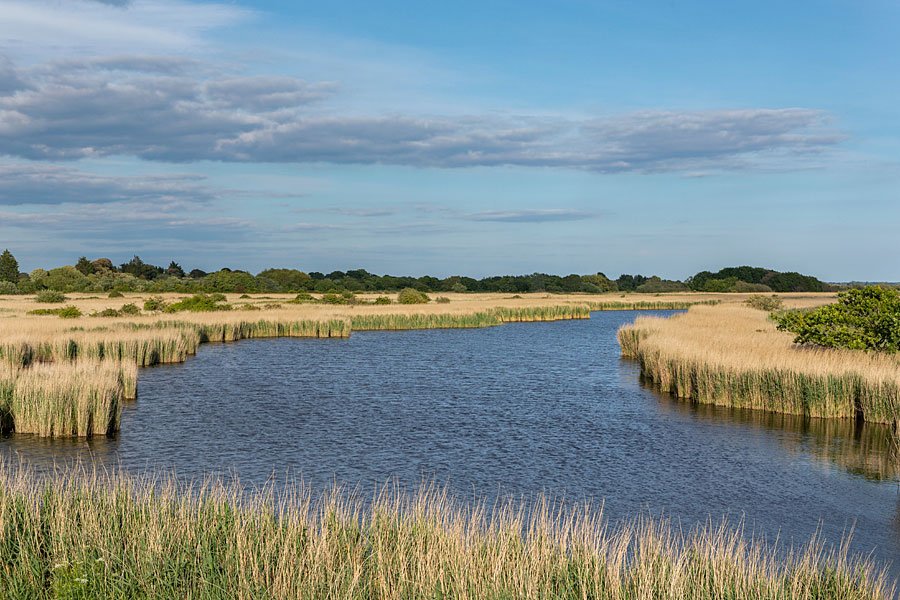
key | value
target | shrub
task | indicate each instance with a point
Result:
(382, 300)
(116, 294)
(339, 298)
(248, 306)
(303, 297)
(271, 305)
(442, 300)
(861, 319)
(130, 309)
(50, 297)
(69, 312)
(412, 296)
(766, 303)
(200, 303)
(107, 312)
(244, 296)
(8, 288)
(155, 304)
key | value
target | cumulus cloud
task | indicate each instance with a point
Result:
(171, 109)
(530, 215)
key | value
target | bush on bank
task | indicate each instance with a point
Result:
(861, 319)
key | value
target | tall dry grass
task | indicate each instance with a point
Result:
(733, 355)
(65, 400)
(90, 535)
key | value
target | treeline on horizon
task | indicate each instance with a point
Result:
(102, 275)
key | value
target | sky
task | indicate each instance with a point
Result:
(471, 138)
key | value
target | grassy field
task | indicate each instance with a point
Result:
(29, 341)
(733, 355)
(90, 535)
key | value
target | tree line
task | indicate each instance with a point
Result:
(136, 275)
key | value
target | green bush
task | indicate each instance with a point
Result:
(50, 297)
(7, 288)
(412, 296)
(248, 306)
(130, 309)
(107, 312)
(116, 294)
(155, 304)
(382, 300)
(766, 303)
(442, 300)
(200, 303)
(861, 319)
(302, 298)
(69, 312)
(339, 298)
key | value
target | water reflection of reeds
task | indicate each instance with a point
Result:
(861, 448)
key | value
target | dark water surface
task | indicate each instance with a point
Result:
(512, 410)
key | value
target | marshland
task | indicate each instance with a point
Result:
(458, 397)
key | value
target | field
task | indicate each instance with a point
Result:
(733, 355)
(64, 400)
(91, 535)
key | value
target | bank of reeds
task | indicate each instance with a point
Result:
(78, 535)
(734, 356)
(65, 400)
(649, 305)
(487, 318)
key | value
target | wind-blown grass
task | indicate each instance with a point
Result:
(59, 400)
(734, 356)
(83, 535)
(649, 305)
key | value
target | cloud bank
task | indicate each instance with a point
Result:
(172, 109)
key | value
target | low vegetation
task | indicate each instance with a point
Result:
(734, 356)
(766, 303)
(94, 535)
(412, 296)
(862, 319)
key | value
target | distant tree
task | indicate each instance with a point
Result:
(287, 280)
(175, 270)
(140, 269)
(9, 267)
(197, 274)
(103, 264)
(85, 266)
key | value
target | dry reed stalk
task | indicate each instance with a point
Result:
(110, 535)
(734, 356)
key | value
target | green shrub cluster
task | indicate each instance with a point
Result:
(199, 303)
(66, 312)
(155, 304)
(861, 319)
(50, 297)
(766, 303)
(412, 296)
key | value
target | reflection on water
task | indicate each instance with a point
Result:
(515, 410)
(865, 449)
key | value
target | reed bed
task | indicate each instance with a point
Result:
(649, 305)
(63, 400)
(734, 356)
(488, 318)
(93, 535)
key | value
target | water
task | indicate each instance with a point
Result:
(507, 411)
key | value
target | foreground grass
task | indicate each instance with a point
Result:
(98, 536)
(733, 355)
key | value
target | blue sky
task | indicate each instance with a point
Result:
(467, 138)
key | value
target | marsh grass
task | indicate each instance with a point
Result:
(97, 535)
(649, 305)
(52, 400)
(734, 356)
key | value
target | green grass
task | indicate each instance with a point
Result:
(79, 535)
